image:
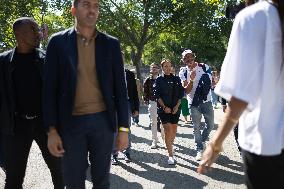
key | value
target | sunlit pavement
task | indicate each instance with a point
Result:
(149, 168)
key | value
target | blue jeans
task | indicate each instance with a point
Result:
(214, 97)
(206, 110)
(89, 134)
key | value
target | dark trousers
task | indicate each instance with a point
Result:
(264, 171)
(88, 134)
(1, 153)
(16, 150)
(236, 134)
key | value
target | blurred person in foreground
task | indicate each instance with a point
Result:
(85, 98)
(21, 120)
(252, 80)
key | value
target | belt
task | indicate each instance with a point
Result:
(27, 116)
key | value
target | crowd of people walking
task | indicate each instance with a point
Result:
(78, 101)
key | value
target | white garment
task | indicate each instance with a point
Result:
(252, 72)
(199, 72)
(152, 109)
(182, 73)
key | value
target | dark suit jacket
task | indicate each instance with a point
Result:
(132, 91)
(7, 101)
(60, 76)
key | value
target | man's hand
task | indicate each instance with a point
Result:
(54, 143)
(209, 156)
(192, 75)
(121, 141)
(184, 83)
(135, 113)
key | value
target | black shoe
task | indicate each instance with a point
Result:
(114, 160)
(127, 157)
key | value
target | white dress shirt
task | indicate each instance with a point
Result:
(253, 72)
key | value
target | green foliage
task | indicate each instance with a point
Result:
(199, 26)
(9, 11)
(149, 30)
(43, 11)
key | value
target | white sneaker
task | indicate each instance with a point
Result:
(171, 160)
(198, 156)
(154, 145)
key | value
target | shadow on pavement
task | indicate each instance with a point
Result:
(226, 162)
(162, 176)
(116, 182)
(186, 136)
(226, 176)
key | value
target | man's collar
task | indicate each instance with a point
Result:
(82, 36)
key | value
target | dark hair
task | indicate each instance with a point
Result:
(75, 3)
(21, 21)
(249, 2)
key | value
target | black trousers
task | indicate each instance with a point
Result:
(16, 150)
(90, 136)
(236, 134)
(264, 171)
(1, 153)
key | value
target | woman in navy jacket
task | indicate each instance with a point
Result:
(169, 91)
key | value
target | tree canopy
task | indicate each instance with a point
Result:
(149, 30)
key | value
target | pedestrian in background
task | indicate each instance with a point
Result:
(133, 103)
(169, 91)
(184, 102)
(151, 100)
(135, 116)
(214, 97)
(197, 87)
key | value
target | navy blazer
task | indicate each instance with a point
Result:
(60, 76)
(7, 101)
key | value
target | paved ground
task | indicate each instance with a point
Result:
(149, 169)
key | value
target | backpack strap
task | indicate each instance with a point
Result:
(203, 66)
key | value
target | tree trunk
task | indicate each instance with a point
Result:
(136, 61)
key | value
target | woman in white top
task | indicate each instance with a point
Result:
(252, 80)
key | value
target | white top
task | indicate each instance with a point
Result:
(252, 72)
(199, 72)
